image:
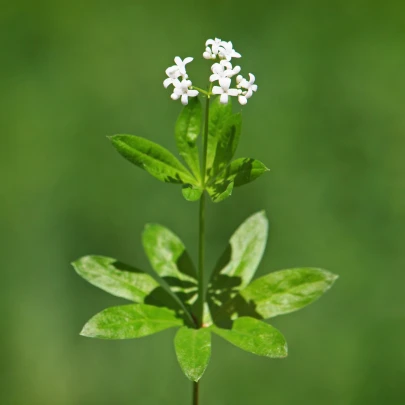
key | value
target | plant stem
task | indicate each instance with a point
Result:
(196, 386)
(201, 241)
(201, 244)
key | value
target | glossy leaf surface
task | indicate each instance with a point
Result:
(169, 258)
(130, 321)
(220, 189)
(153, 158)
(191, 193)
(243, 171)
(255, 336)
(239, 261)
(286, 291)
(188, 128)
(193, 350)
(217, 131)
(116, 278)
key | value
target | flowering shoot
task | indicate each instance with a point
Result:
(221, 52)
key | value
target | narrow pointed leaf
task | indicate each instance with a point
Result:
(286, 291)
(130, 321)
(188, 128)
(153, 158)
(227, 141)
(239, 261)
(193, 350)
(243, 170)
(255, 336)
(116, 278)
(219, 115)
(169, 258)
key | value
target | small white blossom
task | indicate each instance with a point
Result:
(173, 73)
(182, 89)
(215, 44)
(248, 85)
(208, 53)
(226, 51)
(181, 64)
(224, 90)
(222, 70)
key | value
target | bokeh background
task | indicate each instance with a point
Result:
(328, 119)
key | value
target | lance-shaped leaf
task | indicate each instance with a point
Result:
(193, 350)
(153, 158)
(218, 128)
(188, 128)
(255, 336)
(130, 321)
(239, 261)
(227, 141)
(243, 170)
(286, 291)
(169, 258)
(116, 278)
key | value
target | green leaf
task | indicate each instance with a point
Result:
(191, 193)
(286, 291)
(116, 278)
(243, 170)
(188, 128)
(220, 190)
(153, 158)
(255, 336)
(219, 129)
(239, 262)
(193, 350)
(130, 321)
(169, 258)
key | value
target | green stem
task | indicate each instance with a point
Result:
(200, 90)
(201, 241)
(201, 244)
(195, 393)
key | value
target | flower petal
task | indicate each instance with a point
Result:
(167, 82)
(184, 99)
(214, 77)
(174, 96)
(225, 83)
(224, 99)
(217, 90)
(178, 61)
(192, 93)
(233, 92)
(242, 99)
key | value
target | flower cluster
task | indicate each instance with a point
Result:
(182, 89)
(222, 53)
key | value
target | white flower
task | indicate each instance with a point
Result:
(222, 70)
(224, 90)
(208, 53)
(173, 73)
(181, 64)
(181, 89)
(226, 51)
(248, 85)
(215, 44)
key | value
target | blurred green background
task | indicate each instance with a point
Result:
(328, 119)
